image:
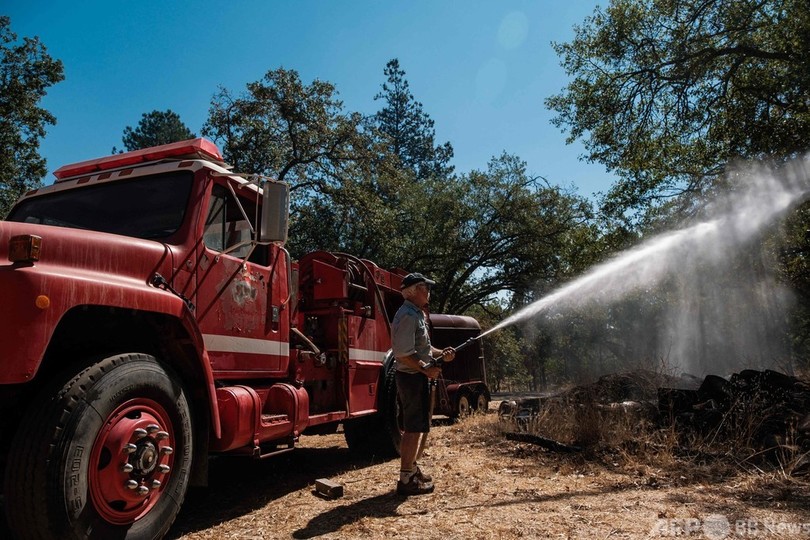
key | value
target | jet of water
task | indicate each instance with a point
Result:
(759, 197)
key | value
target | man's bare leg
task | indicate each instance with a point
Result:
(408, 447)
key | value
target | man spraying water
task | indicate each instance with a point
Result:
(415, 368)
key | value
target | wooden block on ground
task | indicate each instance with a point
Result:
(327, 488)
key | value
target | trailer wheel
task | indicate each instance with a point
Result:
(464, 407)
(481, 404)
(105, 455)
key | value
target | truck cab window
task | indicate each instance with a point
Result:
(151, 207)
(226, 227)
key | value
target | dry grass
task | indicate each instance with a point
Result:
(624, 486)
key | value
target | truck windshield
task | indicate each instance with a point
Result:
(146, 207)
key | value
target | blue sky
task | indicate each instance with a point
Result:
(481, 69)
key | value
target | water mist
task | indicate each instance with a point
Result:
(724, 309)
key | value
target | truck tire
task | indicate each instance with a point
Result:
(392, 410)
(105, 455)
(368, 437)
(378, 434)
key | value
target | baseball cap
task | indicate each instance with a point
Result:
(414, 278)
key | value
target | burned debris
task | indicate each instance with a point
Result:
(766, 409)
(762, 412)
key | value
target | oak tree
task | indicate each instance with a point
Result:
(666, 93)
(26, 73)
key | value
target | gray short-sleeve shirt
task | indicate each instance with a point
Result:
(409, 335)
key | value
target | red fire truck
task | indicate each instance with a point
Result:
(152, 317)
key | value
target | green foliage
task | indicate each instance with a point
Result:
(342, 182)
(493, 231)
(283, 128)
(26, 72)
(665, 93)
(503, 356)
(407, 131)
(791, 246)
(376, 208)
(356, 216)
(154, 129)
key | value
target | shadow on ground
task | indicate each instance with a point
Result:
(238, 486)
(380, 506)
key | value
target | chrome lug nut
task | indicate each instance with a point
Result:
(152, 428)
(140, 433)
(143, 491)
(164, 468)
(155, 484)
(127, 467)
(166, 450)
(130, 448)
(161, 435)
(131, 484)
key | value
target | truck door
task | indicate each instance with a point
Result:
(239, 300)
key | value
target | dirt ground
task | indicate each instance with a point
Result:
(490, 487)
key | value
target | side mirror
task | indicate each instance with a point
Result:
(275, 213)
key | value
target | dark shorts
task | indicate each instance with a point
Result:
(413, 390)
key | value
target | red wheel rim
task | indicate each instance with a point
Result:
(131, 461)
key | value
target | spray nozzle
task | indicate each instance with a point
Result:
(467, 343)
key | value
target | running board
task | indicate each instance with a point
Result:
(272, 453)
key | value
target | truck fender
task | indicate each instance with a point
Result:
(190, 324)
